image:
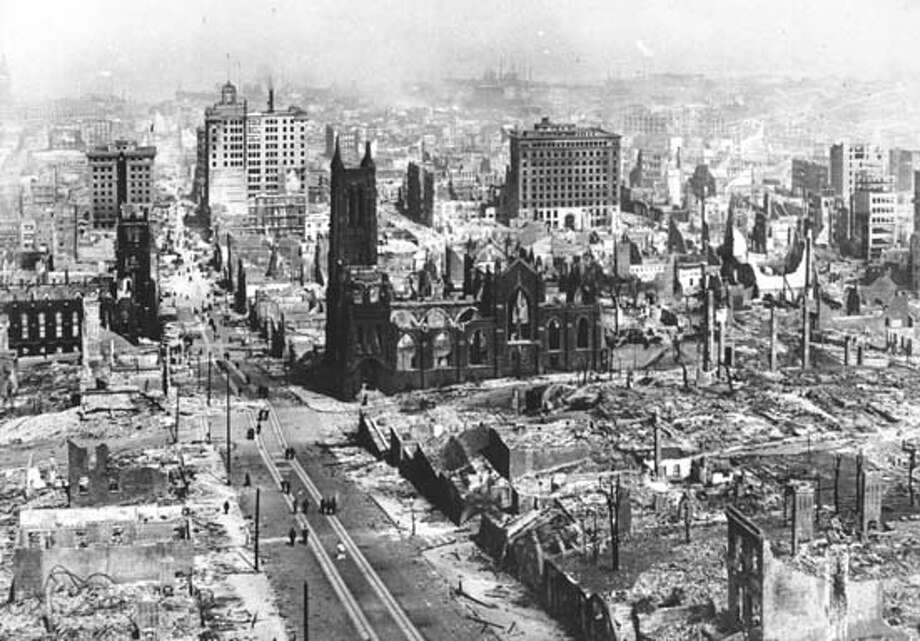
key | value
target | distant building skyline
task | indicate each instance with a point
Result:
(157, 46)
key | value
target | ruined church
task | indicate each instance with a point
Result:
(505, 320)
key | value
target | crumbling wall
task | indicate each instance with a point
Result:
(745, 558)
(827, 606)
(100, 484)
(497, 454)
(371, 438)
(454, 454)
(793, 605)
(492, 538)
(587, 615)
(159, 561)
(434, 486)
(528, 460)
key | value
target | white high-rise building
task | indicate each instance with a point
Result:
(854, 163)
(252, 152)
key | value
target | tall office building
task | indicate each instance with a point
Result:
(252, 152)
(122, 173)
(566, 176)
(137, 303)
(902, 163)
(876, 222)
(852, 163)
(808, 178)
(350, 141)
(419, 194)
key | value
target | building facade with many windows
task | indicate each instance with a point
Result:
(249, 153)
(876, 217)
(853, 165)
(122, 173)
(563, 175)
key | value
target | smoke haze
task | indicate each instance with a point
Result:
(148, 47)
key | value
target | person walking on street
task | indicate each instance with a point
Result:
(292, 535)
(226, 507)
(305, 505)
(305, 533)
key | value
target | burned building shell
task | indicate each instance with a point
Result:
(503, 325)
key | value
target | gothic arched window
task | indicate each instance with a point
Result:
(442, 350)
(554, 335)
(581, 340)
(478, 350)
(406, 353)
(519, 316)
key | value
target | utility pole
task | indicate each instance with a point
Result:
(306, 611)
(257, 531)
(594, 544)
(837, 461)
(176, 433)
(910, 474)
(911, 449)
(613, 505)
(228, 428)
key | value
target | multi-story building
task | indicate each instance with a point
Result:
(251, 152)
(122, 173)
(96, 132)
(875, 219)
(901, 164)
(48, 320)
(563, 175)
(850, 160)
(823, 214)
(419, 194)
(808, 177)
(277, 215)
(137, 296)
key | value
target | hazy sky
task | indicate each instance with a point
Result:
(59, 47)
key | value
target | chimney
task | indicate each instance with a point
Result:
(802, 494)
(656, 431)
(271, 100)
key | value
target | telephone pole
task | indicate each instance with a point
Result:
(176, 433)
(228, 428)
(257, 531)
(306, 611)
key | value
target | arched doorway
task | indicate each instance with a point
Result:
(369, 373)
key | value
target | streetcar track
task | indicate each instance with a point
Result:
(395, 610)
(353, 610)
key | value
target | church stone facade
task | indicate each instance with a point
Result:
(498, 324)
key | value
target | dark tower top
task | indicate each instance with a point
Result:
(353, 212)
